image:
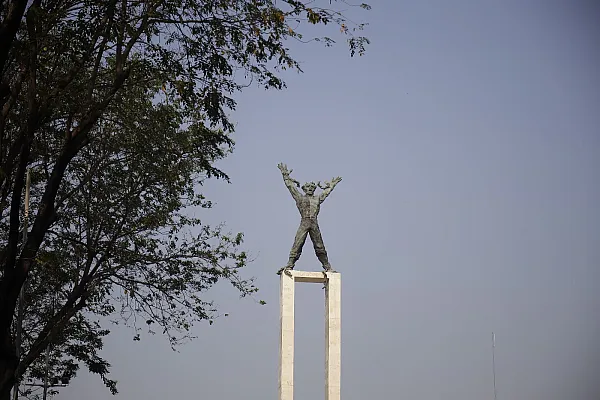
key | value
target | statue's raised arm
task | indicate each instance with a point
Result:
(328, 188)
(290, 182)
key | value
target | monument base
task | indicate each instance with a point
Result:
(332, 281)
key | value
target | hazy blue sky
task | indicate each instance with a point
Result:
(468, 139)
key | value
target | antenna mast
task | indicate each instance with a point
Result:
(494, 362)
(21, 300)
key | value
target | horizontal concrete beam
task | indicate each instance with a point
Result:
(308, 276)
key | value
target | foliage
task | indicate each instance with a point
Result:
(119, 108)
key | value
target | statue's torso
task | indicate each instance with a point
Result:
(309, 206)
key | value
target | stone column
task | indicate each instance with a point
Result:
(333, 336)
(286, 338)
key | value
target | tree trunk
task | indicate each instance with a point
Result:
(8, 365)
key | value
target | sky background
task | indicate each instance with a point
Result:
(468, 139)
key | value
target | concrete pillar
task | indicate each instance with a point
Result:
(286, 338)
(333, 336)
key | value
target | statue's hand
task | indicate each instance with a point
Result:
(327, 185)
(284, 169)
(336, 180)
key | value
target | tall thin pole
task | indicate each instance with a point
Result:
(494, 362)
(47, 362)
(21, 308)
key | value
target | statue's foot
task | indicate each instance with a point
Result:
(285, 269)
(327, 268)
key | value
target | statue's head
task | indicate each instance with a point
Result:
(309, 188)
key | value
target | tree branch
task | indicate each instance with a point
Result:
(9, 28)
(56, 324)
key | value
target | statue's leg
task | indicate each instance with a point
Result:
(317, 239)
(299, 240)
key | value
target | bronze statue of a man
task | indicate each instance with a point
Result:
(309, 206)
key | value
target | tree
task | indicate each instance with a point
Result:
(119, 109)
